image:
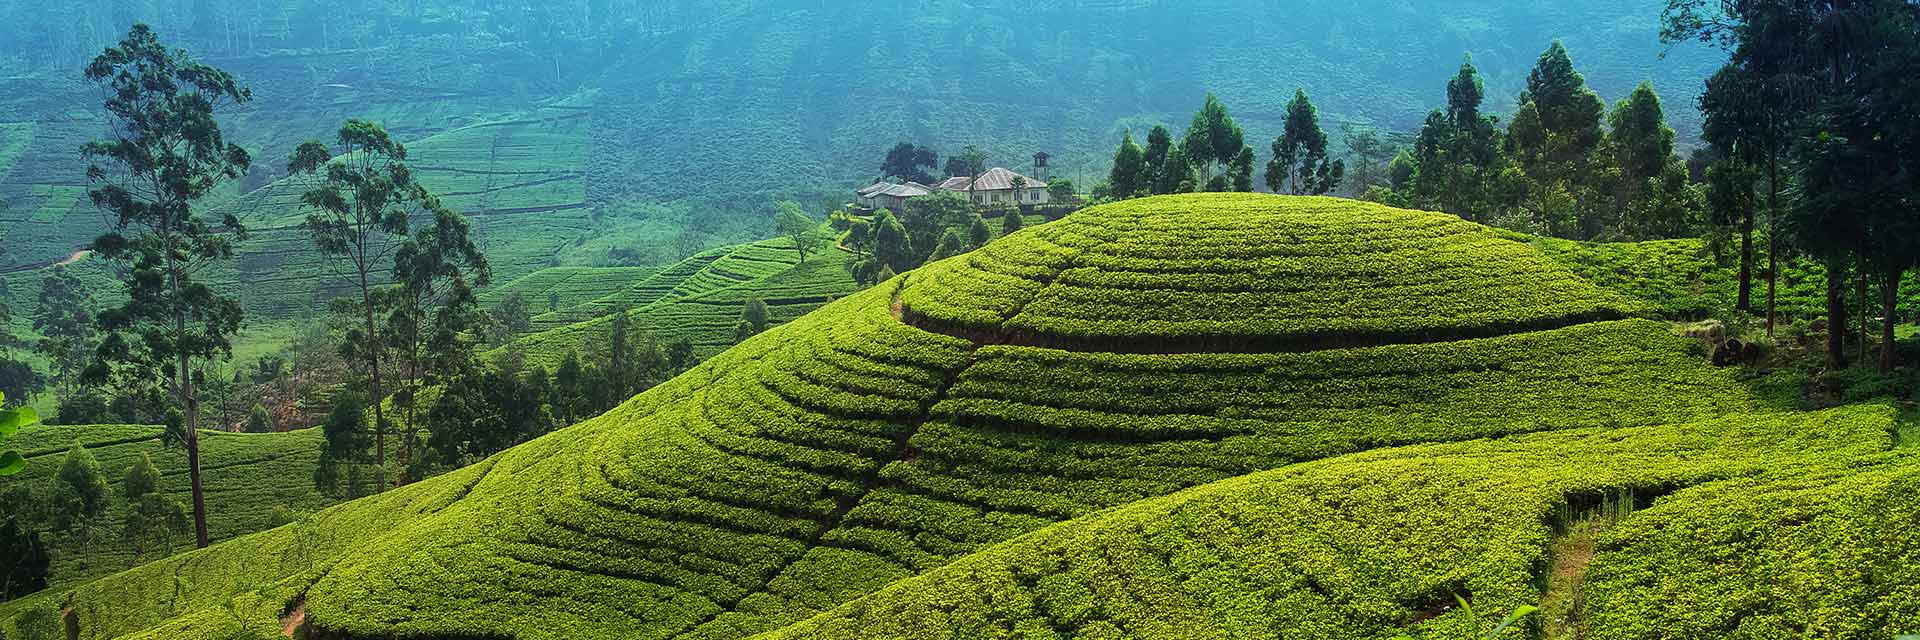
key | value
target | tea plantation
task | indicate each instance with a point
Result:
(248, 477)
(1204, 416)
(699, 299)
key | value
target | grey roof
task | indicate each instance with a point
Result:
(908, 190)
(1000, 179)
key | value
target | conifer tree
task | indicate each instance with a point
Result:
(169, 153)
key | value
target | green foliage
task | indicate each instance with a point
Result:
(1300, 164)
(80, 495)
(65, 321)
(1129, 165)
(1375, 545)
(259, 420)
(1212, 146)
(168, 154)
(910, 163)
(12, 419)
(152, 517)
(793, 223)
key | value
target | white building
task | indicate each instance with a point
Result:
(995, 188)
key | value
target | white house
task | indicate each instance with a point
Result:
(887, 195)
(995, 188)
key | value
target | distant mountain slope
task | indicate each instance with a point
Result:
(696, 114)
(855, 452)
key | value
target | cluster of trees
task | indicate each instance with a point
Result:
(1556, 168)
(930, 228)
(73, 506)
(1212, 156)
(1815, 121)
(1565, 165)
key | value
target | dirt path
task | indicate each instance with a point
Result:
(76, 257)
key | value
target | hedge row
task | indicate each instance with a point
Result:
(1373, 545)
(1236, 265)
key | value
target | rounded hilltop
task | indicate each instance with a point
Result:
(1245, 272)
(1187, 416)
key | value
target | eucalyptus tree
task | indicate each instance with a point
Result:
(361, 205)
(1213, 144)
(1159, 148)
(65, 321)
(434, 317)
(1300, 164)
(1129, 164)
(167, 152)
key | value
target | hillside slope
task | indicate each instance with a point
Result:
(1080, 383)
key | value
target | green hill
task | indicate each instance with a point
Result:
(1337, 416)
(248, 476)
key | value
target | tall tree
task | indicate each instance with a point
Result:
(1300, 164)
(1457, 153)
(1129, 165)
(168, 154)
(1212, 144)
(1159, 147)
(362, 203)
(1569, 112)
(908, 162)
(794, 224)
(65, 321)
(1640, 139)
(433, 316)
(970, 162)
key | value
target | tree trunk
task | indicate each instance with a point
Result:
(1860, 293)
(377, 398)
(1889, 306)
(1773, 236)
(1745, 302)
(192, 437)
(1836, 315)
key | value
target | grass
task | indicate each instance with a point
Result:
(891, 467)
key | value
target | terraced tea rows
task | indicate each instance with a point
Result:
(567, 286)
(987, 457)
(1328, 273)
(699, 300)
(1367, 546)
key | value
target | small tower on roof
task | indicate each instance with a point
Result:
(1040, 166)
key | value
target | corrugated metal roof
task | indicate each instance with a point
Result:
(1000, 179)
